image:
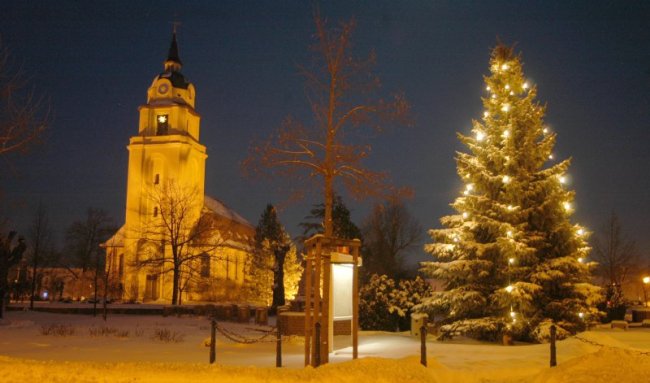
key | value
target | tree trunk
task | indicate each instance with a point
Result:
(278, 277)
(34, 269)
(175, 284)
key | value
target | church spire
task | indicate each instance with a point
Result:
(173, 62)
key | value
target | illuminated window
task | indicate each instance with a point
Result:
(162, 124)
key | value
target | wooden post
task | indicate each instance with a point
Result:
(423, 345)
(278, 347)
(316, 344)
(355, 301)
(326, 314)
(308, 311)
(317, 336)
(213, 341)
(553, 349)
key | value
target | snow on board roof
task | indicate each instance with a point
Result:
(219, 208)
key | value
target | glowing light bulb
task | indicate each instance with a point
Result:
(506, 134)
(509, 288)
(581, 315)
(469, 187)
(507, 86)
(581, 260)
(465, 215)
(505, 107)
(509, 234)
(486, 113)
(562, 179)
(513, 314)
(505, 67)
(510, 208)
(512, 93)
(525, 85)
(506, 179)
(550, 156)
(456, 239)
(545, 130)
(466, 192)
(494, 95)
(511, 261)
(566, 205)
(162, 119)
(507, 158)
(480, 136)
(487, 88)
(580, 232)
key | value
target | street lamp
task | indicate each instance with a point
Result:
(646, 280)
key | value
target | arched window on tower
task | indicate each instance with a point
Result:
(205, 265)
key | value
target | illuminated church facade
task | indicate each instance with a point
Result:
(174, 235)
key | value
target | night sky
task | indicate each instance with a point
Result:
(95, 61)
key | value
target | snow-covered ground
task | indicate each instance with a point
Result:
(132, 348)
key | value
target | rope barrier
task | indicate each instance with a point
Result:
(594, 343)
(238, 338)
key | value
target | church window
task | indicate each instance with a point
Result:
(162, 124)
(155, 211)
(156, 179)
(205, 265)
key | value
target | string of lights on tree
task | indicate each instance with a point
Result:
(512, 233)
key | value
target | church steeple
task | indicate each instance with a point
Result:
(173, 62)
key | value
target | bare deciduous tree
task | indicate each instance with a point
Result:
(39, 236)
(389, 232)
(23, 114)
(83, 239)
(340, 91)
(616, 255)
(180, 226)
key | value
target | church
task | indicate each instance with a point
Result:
(176, 244)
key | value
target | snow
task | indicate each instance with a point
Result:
(132, 354)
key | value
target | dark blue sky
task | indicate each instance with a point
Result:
(95, 60)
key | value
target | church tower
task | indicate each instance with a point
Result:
(165, 151)
(167, 168)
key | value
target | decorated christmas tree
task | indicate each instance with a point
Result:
(512, 261)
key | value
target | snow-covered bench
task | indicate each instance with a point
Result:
(645, 323)
(619, 324)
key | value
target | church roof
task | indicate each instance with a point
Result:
(117, 240)
(173, 66)
(219, 208)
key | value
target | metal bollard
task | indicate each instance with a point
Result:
(553, 349)
(213, 341)
(423, 346)
(278, 346)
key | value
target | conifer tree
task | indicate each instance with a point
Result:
(275, 270)
(510, 257)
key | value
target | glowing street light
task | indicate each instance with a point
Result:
(646, 281)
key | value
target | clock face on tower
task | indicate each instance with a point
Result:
(163, 88)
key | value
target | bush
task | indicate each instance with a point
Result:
(387, 306)
(57, 330)
(167, 336)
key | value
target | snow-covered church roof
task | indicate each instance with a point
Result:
(219, 208)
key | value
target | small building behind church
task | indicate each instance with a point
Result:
(176, 244)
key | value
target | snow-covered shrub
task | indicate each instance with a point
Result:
(57, 330)
(542, 333)
(386, 305)
(168, 336)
